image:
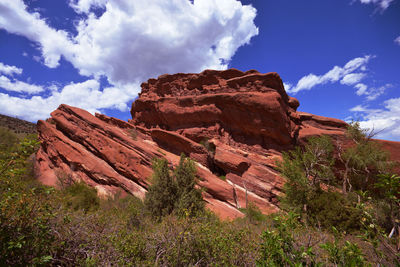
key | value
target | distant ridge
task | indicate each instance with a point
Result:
(20, 127)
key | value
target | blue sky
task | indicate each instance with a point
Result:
(340, 58)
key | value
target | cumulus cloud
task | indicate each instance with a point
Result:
(350, 74)
(382, 4)
(9, 70)
(83, 6)
(87, 95)
(135, 40)
(15, 19)
(386, 121)
(18, 86)
(130, 42)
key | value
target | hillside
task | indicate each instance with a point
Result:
(18, 126)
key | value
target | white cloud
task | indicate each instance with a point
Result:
(346, 75)
(371, 93)
(135, 40)
(18, 86)
(352, 78)
(129, 43)
(382, 4)
(15, 19)
(83, 6)
(86, 95)
(9, 70)
(287, 86)
(397, 40)
(361, 88)
(386, 121)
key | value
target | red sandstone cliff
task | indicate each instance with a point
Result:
(246, 116)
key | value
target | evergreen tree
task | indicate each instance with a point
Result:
(190, 201)
(162, 194)
(177, 193)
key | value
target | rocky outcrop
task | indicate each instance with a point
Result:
(233, 124)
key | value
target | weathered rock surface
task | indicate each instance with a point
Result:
(233, 124)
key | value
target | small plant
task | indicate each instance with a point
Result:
(253, 213)
(347, 254)
(222, 177)
(208, 145)
(279, 247)
(80, 196)
(133, 134)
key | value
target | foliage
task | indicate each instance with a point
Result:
(7, 141)
(328, 209)
(347, 254)
(80, 196)
(133, 133)
(162, 194)
(279, 247)
(25, 234)
(189, 199)
(176, 193)
(253, 213)
(305, 170)
(362, 161)
(389, 184)
(72, 227)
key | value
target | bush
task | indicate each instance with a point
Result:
(305, 169)
(253, 213)
(279, 247)
(25, 211)
(80, 196)
(347, 254)
(329, 209)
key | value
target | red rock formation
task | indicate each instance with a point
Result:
(246, 116)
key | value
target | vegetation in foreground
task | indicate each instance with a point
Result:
(323, 223)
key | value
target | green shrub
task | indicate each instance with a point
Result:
(347, 254)
(25, 211)
(305, 169)
(279, 246)
(253, 213)
(79, 196)
(329, 209)
(162, 193)
(176, 193)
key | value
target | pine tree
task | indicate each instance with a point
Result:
(177, 193)
(190, 201)
(162, 194)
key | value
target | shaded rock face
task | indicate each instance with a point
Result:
(233, 124)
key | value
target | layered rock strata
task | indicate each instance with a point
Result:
(233, 124)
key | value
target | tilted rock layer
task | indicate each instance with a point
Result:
(233, 124)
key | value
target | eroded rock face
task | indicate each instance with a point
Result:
(233, 124)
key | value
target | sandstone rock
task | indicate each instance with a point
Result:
(247, 116)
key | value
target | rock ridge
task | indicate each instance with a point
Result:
(234, 124)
